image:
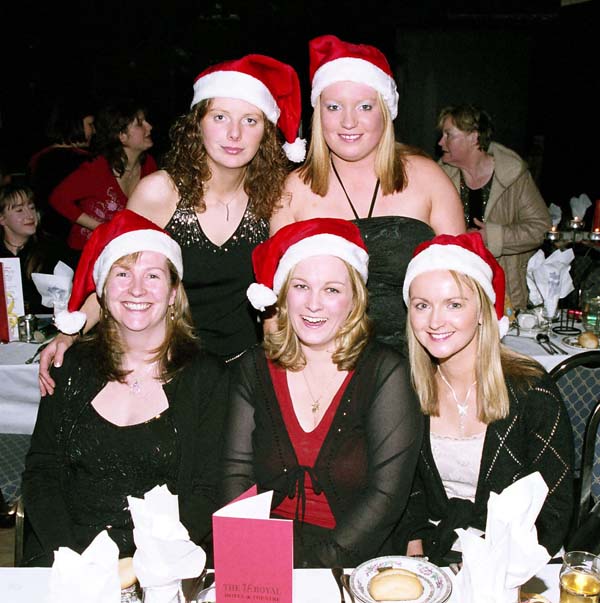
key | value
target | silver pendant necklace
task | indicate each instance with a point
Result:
(315, 407)
(462, 408)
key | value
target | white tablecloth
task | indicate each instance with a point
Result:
(529, 346)
(29, 585)
(19, 391)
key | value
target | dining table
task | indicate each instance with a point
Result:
(19, 390)
(525, 342)
(26, 585)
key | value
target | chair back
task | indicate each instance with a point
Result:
(578, 380)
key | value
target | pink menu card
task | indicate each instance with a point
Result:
(254, 555)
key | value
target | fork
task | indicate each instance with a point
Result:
(338, 572)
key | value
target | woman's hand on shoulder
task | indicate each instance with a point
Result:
(446, 210)
(155, 197)
(53, 355)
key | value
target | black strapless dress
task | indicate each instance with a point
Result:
(390, 241)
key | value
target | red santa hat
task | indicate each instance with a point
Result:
(274, 259)
(126, 233)
(467, 254)
(268, 84)
(332, 60)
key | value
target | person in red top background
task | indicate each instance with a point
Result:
(98, 189)
(320, 413)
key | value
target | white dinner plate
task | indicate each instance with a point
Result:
(572, 342)
(436, 583)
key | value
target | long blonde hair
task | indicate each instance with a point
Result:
(494, 362)
(282, 346)
(390, 158)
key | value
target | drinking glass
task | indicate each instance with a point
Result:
(580, 578)
(590, 306)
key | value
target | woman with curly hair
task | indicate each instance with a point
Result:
(98, 189)
(223, 176)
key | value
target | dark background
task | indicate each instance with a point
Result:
(530, 63)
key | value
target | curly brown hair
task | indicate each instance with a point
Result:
(187, 164)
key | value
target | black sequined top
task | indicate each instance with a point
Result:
(80, 468)
(391, 241)
(216, 278)
(109, 462)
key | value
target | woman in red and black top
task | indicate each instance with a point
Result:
(321, 414)
(98, 189)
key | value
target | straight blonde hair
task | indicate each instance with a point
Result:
(494, 363)
(389, 159)
(282, 346)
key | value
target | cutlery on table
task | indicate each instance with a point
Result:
(556, 348)
(544, 342)
(346, 584)
(543, 338)
(338, 572)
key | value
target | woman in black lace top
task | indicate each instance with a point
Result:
(135, 406)
(492, 416)
(322, 415)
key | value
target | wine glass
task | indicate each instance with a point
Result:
(579, 577)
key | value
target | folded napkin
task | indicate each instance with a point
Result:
(92, 577)
(549, 278)
(579, 206)
(496, 566)
(555, 214)
(55, 288)
(164, 552)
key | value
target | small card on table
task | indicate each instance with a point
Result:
(254, 555)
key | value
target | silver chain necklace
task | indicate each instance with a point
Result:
(462, 408)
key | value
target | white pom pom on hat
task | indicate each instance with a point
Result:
(274, 259)
(126, 233)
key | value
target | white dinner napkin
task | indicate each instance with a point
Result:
(55, 288)
(92, 577)
(579, 205)
(555, 214)
(496, 566)
(164, 552)
(549, 278)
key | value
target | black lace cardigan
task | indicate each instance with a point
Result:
(535, 436)
(365, 466)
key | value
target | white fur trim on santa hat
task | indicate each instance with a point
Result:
(260, 296)
(450, 257)
(350, 69)
(321, 244)
(70, 322)
(234, 84)
(295, 151)
(133, 242)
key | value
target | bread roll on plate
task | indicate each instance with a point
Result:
(588, 340)
(126, 573)
(395, 584)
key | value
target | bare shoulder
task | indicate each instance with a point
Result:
(423, 168)
(435, 187)
(294, 190)
(155, 197)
